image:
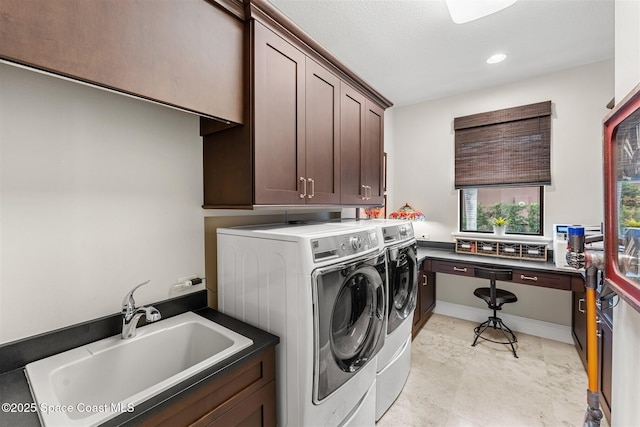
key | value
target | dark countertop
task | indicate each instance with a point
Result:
(444, 253)
(14, 387)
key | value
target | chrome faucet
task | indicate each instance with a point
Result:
(131, 315)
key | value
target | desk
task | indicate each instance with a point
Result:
(442, 258)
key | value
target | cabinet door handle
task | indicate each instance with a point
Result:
(369, 187)
(424, 283)
(523, 277)
(463, 269)
(364, 192)
(580, 302)
(304, 185)
(313, 188)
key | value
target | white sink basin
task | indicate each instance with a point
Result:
(88, 385)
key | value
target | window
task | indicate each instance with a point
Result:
(520, 206)
(502, 162)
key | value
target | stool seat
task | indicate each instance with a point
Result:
(502, 296)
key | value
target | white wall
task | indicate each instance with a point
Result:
(98, 192)
(625, 397)
(423, 173)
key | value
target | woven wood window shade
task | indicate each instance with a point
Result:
(509, 147)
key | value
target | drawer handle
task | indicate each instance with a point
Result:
(424, 283)
(463, 269)
(534, 278)
(580, 306)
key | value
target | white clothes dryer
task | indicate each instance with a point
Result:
(394, 360)
(320, 288)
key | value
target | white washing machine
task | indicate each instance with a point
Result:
(394, 360)
(321, 289)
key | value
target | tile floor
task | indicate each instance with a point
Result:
(454, 384)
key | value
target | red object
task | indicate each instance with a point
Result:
(407, 212)
(626, 286)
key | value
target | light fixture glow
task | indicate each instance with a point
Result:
(498, 57)
(463, 11)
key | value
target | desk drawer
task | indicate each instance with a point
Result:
(458, 268)
(547, 280)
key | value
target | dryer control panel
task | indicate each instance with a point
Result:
(332, 247)
(397, 233)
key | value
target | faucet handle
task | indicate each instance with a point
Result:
(128, 303)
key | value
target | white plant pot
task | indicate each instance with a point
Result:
(499, 230)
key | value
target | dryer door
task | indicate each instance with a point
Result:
(349, 321)
(403, 284)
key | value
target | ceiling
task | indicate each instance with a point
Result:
(411, 51)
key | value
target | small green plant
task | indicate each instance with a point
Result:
(500, 221)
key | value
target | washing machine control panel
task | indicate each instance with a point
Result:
(332, 247)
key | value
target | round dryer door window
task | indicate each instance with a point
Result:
(403, 281)
(403, 285)
(357, 318)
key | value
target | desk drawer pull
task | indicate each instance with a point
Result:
(424, 283)
(534, 278)
(464, 269)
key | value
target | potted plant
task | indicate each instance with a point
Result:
(499, 225)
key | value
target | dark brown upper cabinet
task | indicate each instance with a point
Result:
(296, 136)
(291, 151)
(352, 134)
(362, 147)
(183, 53)
(322, 125)
(279, 134)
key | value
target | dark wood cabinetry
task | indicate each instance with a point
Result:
(279, 133)
(289, 153)
(579, 324)
(243, 397)
(426, 299)
(605, 356)
(186, 54)
(311, 136)
(362, 140)
(322, 125)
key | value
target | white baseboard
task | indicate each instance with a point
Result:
(539, 328)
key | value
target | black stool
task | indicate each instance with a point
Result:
(494, 299)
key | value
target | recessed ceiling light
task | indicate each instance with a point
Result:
(462, 11)
(498, 57)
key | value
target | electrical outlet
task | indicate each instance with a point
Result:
(184, 279)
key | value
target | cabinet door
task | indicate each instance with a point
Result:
(372, 153)
(579, 324)
(352, 133)
(605, 369)
(182, 53)
(279, 134)
(322, 144)
(427, 294)
(426, 299)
